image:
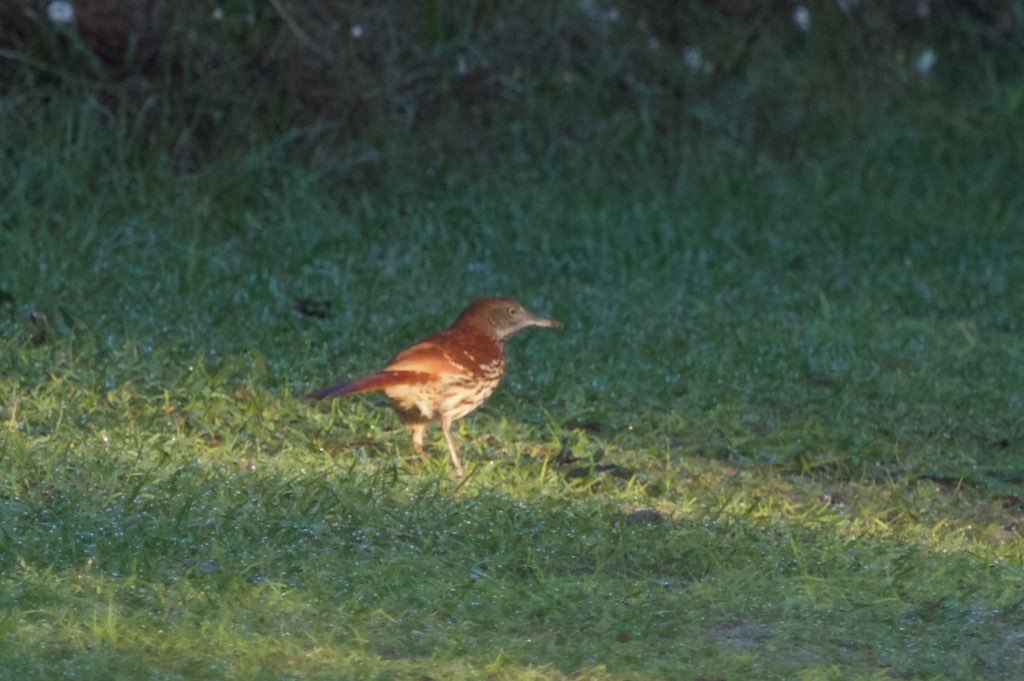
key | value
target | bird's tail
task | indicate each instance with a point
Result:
(372, 383)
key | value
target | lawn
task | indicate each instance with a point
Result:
(780, 435)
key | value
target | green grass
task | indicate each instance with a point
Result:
(780, 435)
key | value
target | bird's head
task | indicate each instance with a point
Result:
(499, 318)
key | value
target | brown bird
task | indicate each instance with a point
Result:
(448, 375)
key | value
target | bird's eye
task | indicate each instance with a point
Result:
(512, 312)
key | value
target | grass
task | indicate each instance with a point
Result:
(780, 435)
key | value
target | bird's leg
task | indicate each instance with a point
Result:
(446, 426)
(418, 429)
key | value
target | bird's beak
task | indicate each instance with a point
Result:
(534, 320)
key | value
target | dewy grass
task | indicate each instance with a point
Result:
(779, 436)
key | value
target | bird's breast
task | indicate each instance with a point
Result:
(463, 394)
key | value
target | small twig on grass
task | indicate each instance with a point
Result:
(297, 30)
(464, 480)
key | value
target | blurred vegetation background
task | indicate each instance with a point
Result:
(484, 82)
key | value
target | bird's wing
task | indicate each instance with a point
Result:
(377, 382)
(432, 358)
(426, 361)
